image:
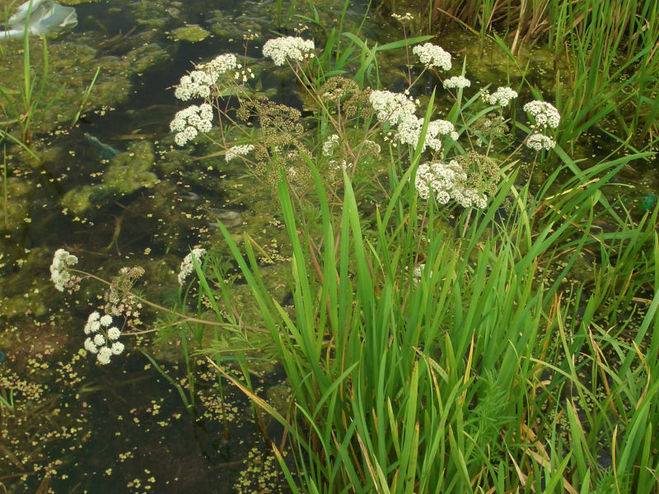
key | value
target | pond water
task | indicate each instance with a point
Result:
(113, 190)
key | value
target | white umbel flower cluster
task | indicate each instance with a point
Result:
(417, 273)
(190, 121)
(59, 269)
(102, 337)
(456, 82)
(398, 110)
(444, 181)
(196, 84)
(392, 107)
(502, 96)
(538, 142)
(220, 65)
(187, 266)
(433, 56)
(288, 48)
(406, 17)
(545, 114)
(330, 145)
(199, 83)
(235, 151)
(338, 166)
(409, 131)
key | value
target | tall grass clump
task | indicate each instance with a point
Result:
(471, 371)
(452, 329)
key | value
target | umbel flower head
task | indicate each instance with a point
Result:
(502, 96)
(190, 121)
(545, 114)
(392, 107)
(456, 82)
(538, 142)
(220, 65)
(199, 83)
(288, 48)
(409, 131)
(59, 269)
(447, 181)
(187, 266)
(330, 144)
(433, 56)
(235, 151)
(102, 338)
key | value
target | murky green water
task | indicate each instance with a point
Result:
(115, 192)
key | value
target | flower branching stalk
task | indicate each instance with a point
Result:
(121, 300)
(102, 335)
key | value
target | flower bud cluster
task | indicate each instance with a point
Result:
(446, 181)
(190, 121)
(288, 48)
(102, 337)
(187, 266)
(433, 56)
(59, 269)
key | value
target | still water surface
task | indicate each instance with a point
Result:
(77, 426)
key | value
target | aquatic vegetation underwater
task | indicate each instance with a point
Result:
(450, 300)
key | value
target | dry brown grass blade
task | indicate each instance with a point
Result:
(602, 364)
(456, 19)
(44, 486)
(544, 461)
(522, 478)
(369, 465)
(648, 373)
